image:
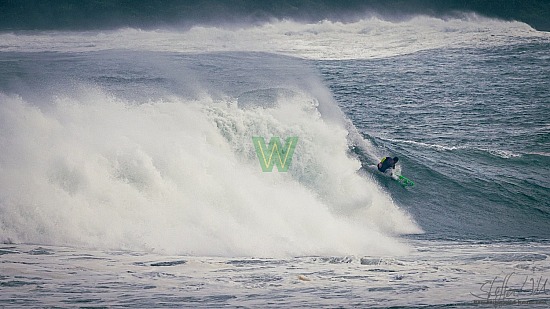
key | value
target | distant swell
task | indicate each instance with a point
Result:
(365, 38)
(82, 15)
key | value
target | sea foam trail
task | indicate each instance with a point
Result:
(174, 176)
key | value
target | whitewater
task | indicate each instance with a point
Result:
(128, 177)
(363, 39)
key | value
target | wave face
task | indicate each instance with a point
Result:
(82, 15)
(157, 155)
(471, 127)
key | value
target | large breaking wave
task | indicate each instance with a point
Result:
(81, 166)
(139, 152)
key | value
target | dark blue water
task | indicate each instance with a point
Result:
(471, 127)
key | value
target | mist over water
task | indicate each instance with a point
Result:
(85, 167)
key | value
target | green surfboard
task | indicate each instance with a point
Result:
(404, 181)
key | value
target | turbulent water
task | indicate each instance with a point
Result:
(128, 176)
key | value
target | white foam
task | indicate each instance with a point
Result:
(426, 145)
(367, 38)
(89, 169)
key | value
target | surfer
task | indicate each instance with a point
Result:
(387, 163)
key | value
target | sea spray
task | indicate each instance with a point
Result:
(94, 170)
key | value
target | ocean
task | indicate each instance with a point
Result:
(129, 178)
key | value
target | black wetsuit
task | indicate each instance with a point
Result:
(386, 163)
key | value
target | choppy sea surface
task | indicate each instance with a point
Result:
(128, 177)
(438, 273)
